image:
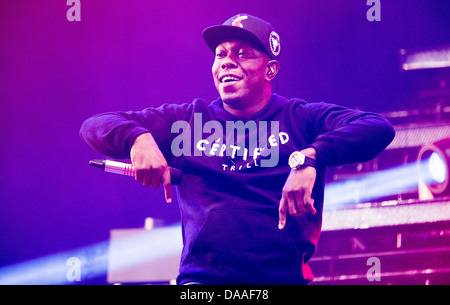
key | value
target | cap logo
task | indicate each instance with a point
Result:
(275, 45)
(238, 20)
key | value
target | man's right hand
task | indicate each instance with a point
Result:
(150, 166)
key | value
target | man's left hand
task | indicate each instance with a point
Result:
(296, 196)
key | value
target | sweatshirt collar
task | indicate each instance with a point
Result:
(274, 105)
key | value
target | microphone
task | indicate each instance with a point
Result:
(126, 169)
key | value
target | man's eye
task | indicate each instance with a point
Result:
(220, 55)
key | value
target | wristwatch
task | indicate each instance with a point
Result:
(298, 160)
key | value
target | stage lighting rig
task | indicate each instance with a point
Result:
(434, 160)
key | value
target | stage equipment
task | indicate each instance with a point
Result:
(425, 58)
(385, 243)
(398, 173)
(437, 167)
(143, 256)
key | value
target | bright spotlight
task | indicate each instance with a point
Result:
(430, 170)
(436, 166)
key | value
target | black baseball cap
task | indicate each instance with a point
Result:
(256, 31)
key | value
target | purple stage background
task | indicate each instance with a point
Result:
(128, 55)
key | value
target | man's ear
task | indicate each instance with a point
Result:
(273, 67)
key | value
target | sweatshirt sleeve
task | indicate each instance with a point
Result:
(343, 135)
(113, 133)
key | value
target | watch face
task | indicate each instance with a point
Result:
(296, 159)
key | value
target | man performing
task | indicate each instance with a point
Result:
(254, 162)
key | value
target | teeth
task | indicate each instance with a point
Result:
(229, 78)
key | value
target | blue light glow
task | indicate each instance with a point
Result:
(437, 168)
(372, 186)
(57, 269)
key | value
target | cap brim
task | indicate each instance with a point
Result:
(215, 35)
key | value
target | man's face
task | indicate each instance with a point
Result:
(239, 72)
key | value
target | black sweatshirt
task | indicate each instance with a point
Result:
(234, 172)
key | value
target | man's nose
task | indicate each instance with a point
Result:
(228, 62)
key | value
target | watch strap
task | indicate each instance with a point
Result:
(309, 162)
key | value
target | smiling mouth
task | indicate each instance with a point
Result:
(229, 78)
